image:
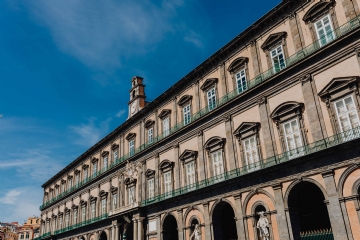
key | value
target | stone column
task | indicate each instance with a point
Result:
(140, 228)
(202, 162)
(223, 82)
(98, 204)
(157, 178)
(109, 197)
(197, 96)
(346, 218)
(296, 31)
(230, 143)
(280, 213)
(334, 209)
(121, 190)
(135, 222)
(254, 50)
(175, 111)
(316, 120)
(142, 135)
(156, 124)
(178, 164)
(208, 235)
(180, 224)
(239, 218)
(158, 227)
(267, 128)
(113, 230)
(143, 181)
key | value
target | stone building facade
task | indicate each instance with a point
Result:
(260, 141)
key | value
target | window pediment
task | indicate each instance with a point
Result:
(94, 160)
(77, 171)
(210, 82)
(103, 194)
(83, 202)
(104, 153)
(114, 146)
(69, 177)
(85, 166)
(57, 185)
(337, 85)
(63, 181)
(317, 10)
(113, 189)
(130, 136)
(214, 143)
(184, 100)
(60, 214)
(245, 128)
(53, 216)
(238, 63)
(150, 173)
(149, 123)
(130, 182)
(286, 110)
(188, 155)
(273, 39)
(166, 164)
(74, 206)
(92, 198)
(164, 113)
(66, 210)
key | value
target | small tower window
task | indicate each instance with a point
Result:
(133, 94)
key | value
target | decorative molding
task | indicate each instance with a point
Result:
(246, 127)
(273, 39)
(94, 160)
(114, 146)
(149, 123)
(104, 153)
(164, 113)
(337, 84)
(188, 155)
(237, 63)
(261, 100)
(103, 194)
(214, 142)
(184, 100)
(304, 79)
(317, 9)
(150, 173)
(165, 164)
(130, 136)
(286, 108)
(210, 82)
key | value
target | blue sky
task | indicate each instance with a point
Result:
(66, 68)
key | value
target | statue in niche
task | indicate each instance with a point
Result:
(196, 234)
(263, 225)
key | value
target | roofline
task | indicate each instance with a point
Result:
(241, 39)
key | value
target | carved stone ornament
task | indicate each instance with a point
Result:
(261, 100)
(237, 63)
(103, 194)
(184, 100)
(74, 206)
(131, 171)
(94, 160)
(82, 202)
(85, 166)
(114, 146)
(305, 78)
(263, 226)
(317, 10)
(63, 181)
(130, 136)
(104, 153)
(149, 124)
(226, 117)
(273, 39)
(188, 155)
(164, 113)
(210, 82)
(150, 173)
(357, 50)
(337, 85)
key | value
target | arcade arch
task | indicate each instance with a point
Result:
(223, 221)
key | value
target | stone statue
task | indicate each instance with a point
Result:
(196, 234)
(263, 225)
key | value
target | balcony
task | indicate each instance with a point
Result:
(81, 224)
(300, 55)
(126, 208)
(265, 163)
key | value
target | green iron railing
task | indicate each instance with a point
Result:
(45, 235)
(37, 238)
(81, 224)
(325, 234)
(262, 164)
(306, 51)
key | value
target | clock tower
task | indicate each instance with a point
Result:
(137, 96)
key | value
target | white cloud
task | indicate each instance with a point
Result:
(194, 38)
(100, 33)
(89, 133)
(120, 113)
(10, 197)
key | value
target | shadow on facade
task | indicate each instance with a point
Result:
(170, 228)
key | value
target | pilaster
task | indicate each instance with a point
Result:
(267, 128)
(201, 160)
(230, 145)
(208, 235)
(280, 212)
(180, 223)
(239, 218)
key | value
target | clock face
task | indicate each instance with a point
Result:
(133, 107)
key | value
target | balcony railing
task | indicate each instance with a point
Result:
(324, 234)
(306, 51)
(81, 224)
(262, 164)
(45, 235)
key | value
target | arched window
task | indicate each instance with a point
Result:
(216, 157)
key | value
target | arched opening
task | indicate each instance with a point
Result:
(224, 224)
(193, 223)
(103, 236)
(308, 211)
(170, 228)
(82, 238)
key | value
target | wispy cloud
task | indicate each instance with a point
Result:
(120, 113)
(89, 133)
(10, 197)
(194, 38)
(101, 33)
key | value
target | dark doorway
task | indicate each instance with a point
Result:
(127, 231)
(224, 224)
(170, 228)
(307, 209)
(103, 236)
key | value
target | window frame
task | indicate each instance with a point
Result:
(167, 167)
(187, 157)
(186, 110)
(323, 27)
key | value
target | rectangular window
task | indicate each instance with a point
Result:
(293, 138)
(211, 99)
(150, 135)
(167, 184)
(92, 210)
(190, 175)
(27, 236)
(218, 165)
(116, 154)
(95, 168)
(60, 223)
(77, 179)
(347, 116)
(166, 126)
(278, 59)
(105, 163)
(103, 206)
(85, 174)
(324, 30)
(131, 195)
(114, 201)
(241, 81)
(67, 220)
(131, 147)
(75, 216)
(151, 188)
(83, 214)
(69, 183)
(22, 236)
(63, 187)
(187, 116)
(251, 153)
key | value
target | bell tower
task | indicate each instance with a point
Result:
(137, 96)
